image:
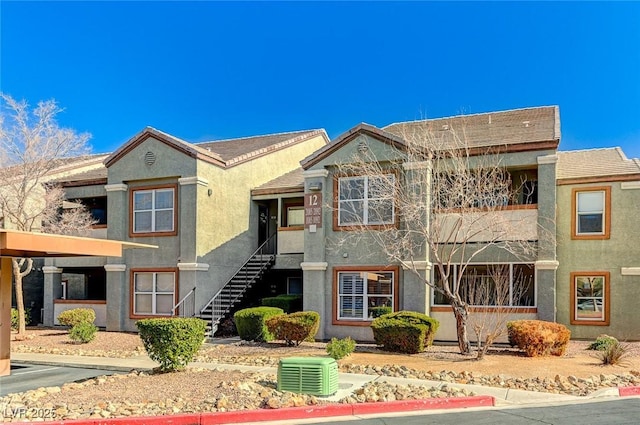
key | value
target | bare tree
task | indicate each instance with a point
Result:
(32, 146)
(432, 198)
(499, 291)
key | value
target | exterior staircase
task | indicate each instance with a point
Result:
(235, 289)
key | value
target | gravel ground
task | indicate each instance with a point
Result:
(200, 390)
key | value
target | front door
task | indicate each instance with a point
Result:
(263, 224)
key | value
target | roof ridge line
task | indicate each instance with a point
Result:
(469, 115)
(258, 135)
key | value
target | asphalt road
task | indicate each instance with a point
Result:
(618, 411)
(29, 377)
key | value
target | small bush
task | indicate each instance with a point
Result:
(380, 311)
(288, 303)
(172, 342)
(77, 315)
(405, 331)
(295, 327)
(250, 323)
(539, 338)
(83, 332)
(602, 343)
(226, 327)
(615, 353)
(14, 317)
(340, 348)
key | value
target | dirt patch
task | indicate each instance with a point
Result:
(578, 361)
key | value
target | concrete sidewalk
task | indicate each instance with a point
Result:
(348, 382)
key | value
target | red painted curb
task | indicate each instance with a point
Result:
(422, 404)
(628, 391)
(304, 412)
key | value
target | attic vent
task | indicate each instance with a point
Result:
(149, 158)
(363, 147)
(445, 127)
(526, 123)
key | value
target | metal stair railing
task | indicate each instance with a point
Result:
(222, 302)
(186, 307)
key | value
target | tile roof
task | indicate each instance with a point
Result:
(516, 126)
(293, 181)
(232, 149)
(96, 176)
(603, 162)
(224, 153)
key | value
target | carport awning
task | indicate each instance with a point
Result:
(14, 243)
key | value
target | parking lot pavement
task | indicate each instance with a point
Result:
(25, 377)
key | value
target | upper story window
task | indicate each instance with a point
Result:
(591, 213)
(294, 216)
(97, 208)
(153, 211)
(366, 200)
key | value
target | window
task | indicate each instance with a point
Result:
(366, 200)
(295, 216)
(357, 291)
(591, 213)
(294, 285)
(153, 293)
(153, 211)
(590, 298)
(98, 209)
(491, 285)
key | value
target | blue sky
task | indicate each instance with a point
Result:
(212, 70)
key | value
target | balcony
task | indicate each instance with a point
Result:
(290, 240)
(510, 224)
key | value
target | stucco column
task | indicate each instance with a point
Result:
(315, 276)
(52, 292)
(117, 211)
(415, 293)
(5, 315)
(547, 262)
(117, 296)
(187, 206)
(190, 274)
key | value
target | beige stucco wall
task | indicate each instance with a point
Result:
(621, 250)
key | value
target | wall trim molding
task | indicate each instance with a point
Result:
(547, 265)
(417, 265)
(630, 185)
(314, 265)
(51, 269)
(630, 271)
(193, 267)
(416, 165)
(548, 159)
(115, 267)
(315, 173)
(183, 181)
(116, 187)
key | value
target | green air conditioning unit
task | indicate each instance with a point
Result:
(308, 375)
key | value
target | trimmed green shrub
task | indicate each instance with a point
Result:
(250, 323)
(14, 317)
(77, 315)
(602, 342)
(340, 348)
(295, 327)
(83, 332)
(172, 342)
(288, 303)
(539, 338)
(405, 331)
(380, 311)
